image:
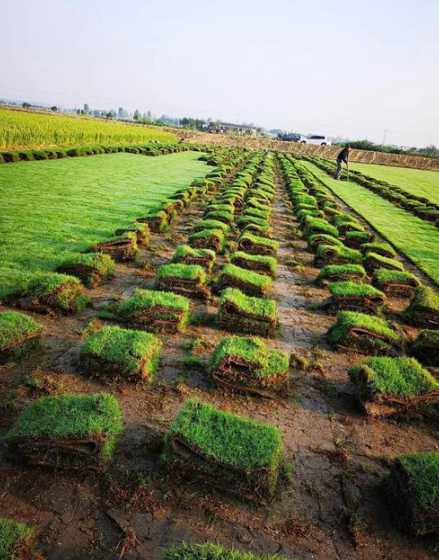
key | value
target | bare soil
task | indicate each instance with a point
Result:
(334, 507)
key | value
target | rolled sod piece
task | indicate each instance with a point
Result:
(383, 249)
(208, 239)
(157, 221)
(319, 225)
(262, 213)
(256, 245)
(245, 364)
(314, 241)
(373, 261)
(185, 279)
(395, 282)
(210, 551)
(337, 254)
(365, 334)
(347, 227)
(341, 272)
(259, 263)
(220, 216)
(210, 224)
(231, 453)
(388, 386)
(250, 282)
(246, 219)
(156, 311)
(186, 254)
(250, 315)
(413, 487)
(355, 239)
(18, 334)
(426, 348)
(123, 353)
(355, 296)
(43, 292)
(122, 248)
(16, 540)
(142, 232)
(423, 310)
(68, 431)
(256, 229)
(93, 269)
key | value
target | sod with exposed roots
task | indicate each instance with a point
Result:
(186, 279)
(356, 296)
(91, 268)
(154, 310)
(258, 263)
(17, 332)
(15, 539)
(395, 282)
(248, 281)
(341, 272)
(230, 452)
(424, 308)
(67, 431)
(123, 353)
(211, 551)
(186, 254)
(425, 347)
(257, 245)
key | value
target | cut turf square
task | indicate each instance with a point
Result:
(383, 249)
(185, 279)
(424, 308)
(186, 254)
(250, 315)
(208, 239)
(15, 540)
(141, 230)
(389, 386)
(355, 296)
(124, 353)
(248, 281)
(414, 492)
(91, 268)
(18, 334)
(246, 364)
(122, 248)
(395, 282)
(337, 254)
(372, 261)
(210, 224)
(229, 452)
(426, 348)
(364, 333)
(259, 263)
(157, 221)
(70, 431)
(210, 551)
(355, 239)
(257, 245)
(155, 310)
(341, 272)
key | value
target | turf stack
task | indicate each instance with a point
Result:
(248, 281)
(355, 296)
(186, 279)
(423, 310)
(228, 452)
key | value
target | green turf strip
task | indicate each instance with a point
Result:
(254, 352)
(142, 299)
(12, 535)
(264, 308)
(71, 416)
(183, 271)
(423, 469)
(340, 271)
(349, 319)
(256, 279)
(16, 327)
(382, 276)
(415, 238)
(211, 551)
(230, 439)
(419, 182)
(52, 210)
(401, 377)
(353, 289)
(265, 260)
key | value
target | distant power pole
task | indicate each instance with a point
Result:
(385, 136)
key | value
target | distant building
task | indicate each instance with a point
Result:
(232, 128)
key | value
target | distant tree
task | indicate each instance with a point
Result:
(26, 105)
(110, 115)
(54, 108)
(86, 108)
(136, 115)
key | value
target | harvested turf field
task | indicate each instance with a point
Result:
(420, 182)
(51, 210)
(416, 239)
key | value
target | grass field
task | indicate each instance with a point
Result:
(415, 238)
(22, 129)
(414, 181)
(53, 209)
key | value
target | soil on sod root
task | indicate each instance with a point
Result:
(334, 508)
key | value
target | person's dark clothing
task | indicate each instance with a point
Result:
(343, 155)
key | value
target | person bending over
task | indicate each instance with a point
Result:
(343, 156)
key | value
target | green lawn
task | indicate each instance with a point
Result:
(53, 209)
(414, 181)
(415, 238)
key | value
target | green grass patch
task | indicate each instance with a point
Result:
(182, 271)
(15, 539)
(125, 353)
(337, 254)
(91, 268)
(250, 282)
(211, 224)
(319, 225)
(424, 308)
(395, 282)
(58, 208)
(17, 332)
(210, 551)
(186, 254)
(208, 239)
(257, 245)
(372, 261)
(97, 418)
(340, 272)
(383, 249)
(417, 239)
(356, 239)
(353, 289)
(259, 263)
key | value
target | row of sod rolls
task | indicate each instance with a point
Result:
(388, 383)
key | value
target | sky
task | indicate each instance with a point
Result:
(350, 69)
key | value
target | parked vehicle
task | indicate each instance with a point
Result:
(316, 139)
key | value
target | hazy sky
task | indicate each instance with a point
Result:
(344, 68)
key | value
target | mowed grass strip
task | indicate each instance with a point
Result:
(419, 182)
(417, 239)
(52, 210)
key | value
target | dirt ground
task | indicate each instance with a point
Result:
(334, 507)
